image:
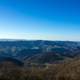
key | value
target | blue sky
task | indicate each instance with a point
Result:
(40, 19)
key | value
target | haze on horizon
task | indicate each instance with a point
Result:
(40, 19)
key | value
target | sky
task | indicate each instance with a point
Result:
(40, 19)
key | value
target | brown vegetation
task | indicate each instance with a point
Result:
(69, 70)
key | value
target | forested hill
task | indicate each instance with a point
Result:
(39, 51)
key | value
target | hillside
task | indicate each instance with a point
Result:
(39, 60)
(68, 70)
(39, 51)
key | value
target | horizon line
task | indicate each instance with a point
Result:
(15, 39)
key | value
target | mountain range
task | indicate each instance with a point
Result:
(39, 51)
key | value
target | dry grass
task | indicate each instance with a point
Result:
(69, 70)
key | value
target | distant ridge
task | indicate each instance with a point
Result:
(13, 40)
(37, 40)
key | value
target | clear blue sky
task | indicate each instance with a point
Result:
(40, 19)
